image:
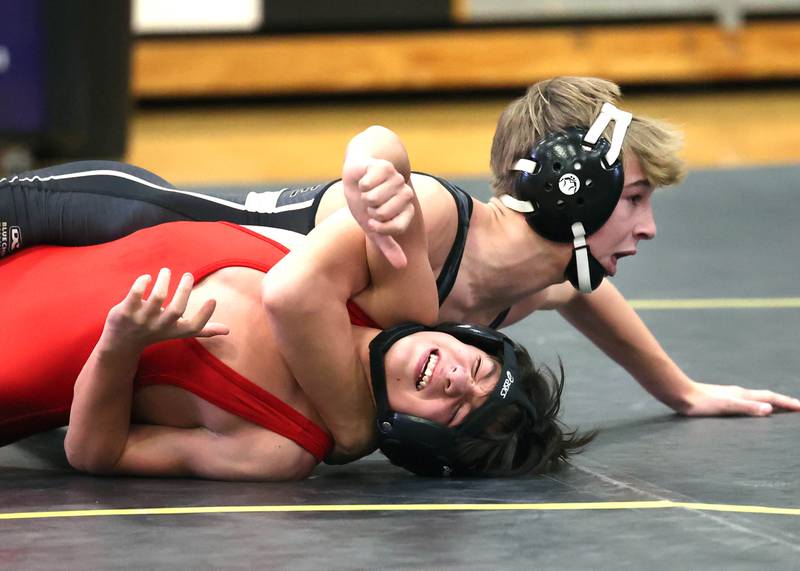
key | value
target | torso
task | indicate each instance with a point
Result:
(463, 302)
(469, 299)
(440, 225)
(237, 291)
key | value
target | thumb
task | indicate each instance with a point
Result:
(355, 166)
(391, 250)
(212, 329)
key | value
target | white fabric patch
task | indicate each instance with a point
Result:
(264, 202)
(285, 237)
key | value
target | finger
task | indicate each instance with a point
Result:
(747, 407)
(385, 191)
(774, 399)
(194, 325)
(135, 294)
(180, 299)
(353, 169)
(379, 172)
(159, 293)
(391, 250)
(393, 227)
(391, 208)
(787, 402)
(212, 329)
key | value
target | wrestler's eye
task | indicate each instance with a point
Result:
(476, 368)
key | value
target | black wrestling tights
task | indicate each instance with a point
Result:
(90, 202)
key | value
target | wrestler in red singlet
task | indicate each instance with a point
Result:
(53, 307)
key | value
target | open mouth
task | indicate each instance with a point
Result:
(426, 372)
(615, 258)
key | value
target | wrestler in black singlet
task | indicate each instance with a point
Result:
(91, 202)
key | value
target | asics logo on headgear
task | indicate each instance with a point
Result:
(16, 235)
(509, 380)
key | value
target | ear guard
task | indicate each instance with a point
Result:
(569, 185)
(425, 447)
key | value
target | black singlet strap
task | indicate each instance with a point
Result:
(500, 318)
(447, 277)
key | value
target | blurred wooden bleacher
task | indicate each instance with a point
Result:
(463, 58)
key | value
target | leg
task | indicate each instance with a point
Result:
(90, 202)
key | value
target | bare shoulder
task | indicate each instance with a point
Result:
(428, 187)
(440, 214)
(438, 205)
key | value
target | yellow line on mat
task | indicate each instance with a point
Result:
(575, 506)
(718, 303)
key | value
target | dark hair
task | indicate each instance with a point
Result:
(515, 445)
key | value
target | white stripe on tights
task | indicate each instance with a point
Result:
(131, 177)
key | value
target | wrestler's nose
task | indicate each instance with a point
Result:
(457, 382)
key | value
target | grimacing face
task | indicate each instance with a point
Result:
(631, 221)
(435, 376)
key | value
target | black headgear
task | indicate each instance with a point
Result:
(568, 187)
(425, 447)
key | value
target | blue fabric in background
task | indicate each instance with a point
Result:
(22, 89)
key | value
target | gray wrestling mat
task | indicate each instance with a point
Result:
(653, 491)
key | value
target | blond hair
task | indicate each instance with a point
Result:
(555, 104)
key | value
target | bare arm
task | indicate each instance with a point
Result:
(610, 323)
(305, 296)
(385, 210)
(100, 437)
(606, 318)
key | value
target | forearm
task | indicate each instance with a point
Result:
(613, 326)
(101, 408)
(403, 294)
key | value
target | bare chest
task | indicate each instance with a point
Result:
(249, 349)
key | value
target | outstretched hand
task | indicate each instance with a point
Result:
(137, 322)
(381, 202)
(718, 400)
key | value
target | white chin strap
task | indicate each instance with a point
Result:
(516, 204)
(581, 258)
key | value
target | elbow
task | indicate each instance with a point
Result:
(281, 298)
(83, 459)
(382, 143)
(298, 294)
(353, 446)
(381, 134)
(272, 296)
